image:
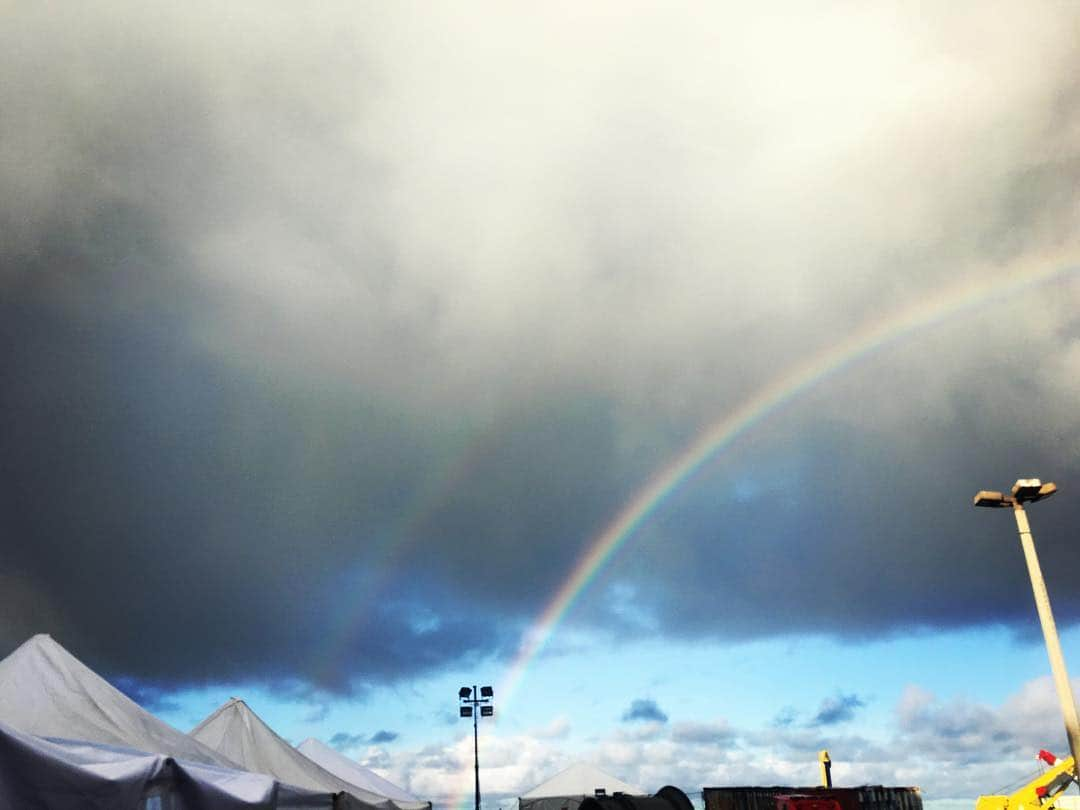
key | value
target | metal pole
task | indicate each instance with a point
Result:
(476, 744)
(1053, 645)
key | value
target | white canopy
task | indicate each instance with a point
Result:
(48, 692)
(356, 774)
(236, 732)
(568, 788)
(67, 775)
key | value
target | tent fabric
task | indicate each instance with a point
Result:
(53, 774)
(47, 692)
(569, 788)
(236, 732)
(356, 774)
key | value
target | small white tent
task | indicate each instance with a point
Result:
(236, 732)
(356, 774)
(569, 788)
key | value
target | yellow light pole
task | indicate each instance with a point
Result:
(1029, 490)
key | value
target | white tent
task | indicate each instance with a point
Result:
(569, 788)
(236, 732)
(48, 692)
(66, 775)
(70, 741)
(356, 774)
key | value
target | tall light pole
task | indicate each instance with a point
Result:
(1029, 490)
(472, 699)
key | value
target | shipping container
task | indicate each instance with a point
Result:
(866, 797)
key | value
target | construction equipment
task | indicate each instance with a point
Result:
(1041, 792)
(826, 769)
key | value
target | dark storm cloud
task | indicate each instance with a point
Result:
(642, 709)
(156, 478)
(321, 337)
(838, 709)
(857, 534)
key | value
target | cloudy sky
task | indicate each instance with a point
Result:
(333, 337)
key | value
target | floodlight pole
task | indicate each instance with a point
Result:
(476, 748)
(479, 703)
(1049, 628)
(1029, 491)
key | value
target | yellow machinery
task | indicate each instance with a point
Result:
(1041, 792)
(826, 769)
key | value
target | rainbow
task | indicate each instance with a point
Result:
(944, 304)
(369, 579)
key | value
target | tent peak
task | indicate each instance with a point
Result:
(39, 640)
(43, 644)
(237, 732)
(48, 692)
(233, 704)
(581, 779)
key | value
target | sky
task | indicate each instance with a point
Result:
(640, 360)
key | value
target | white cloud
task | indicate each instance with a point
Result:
(953, 750)
(716, 733)
(557, 729)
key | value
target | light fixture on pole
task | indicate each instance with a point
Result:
(472, 699)
(1029, 490)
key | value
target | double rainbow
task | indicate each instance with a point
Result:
(944, 304)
